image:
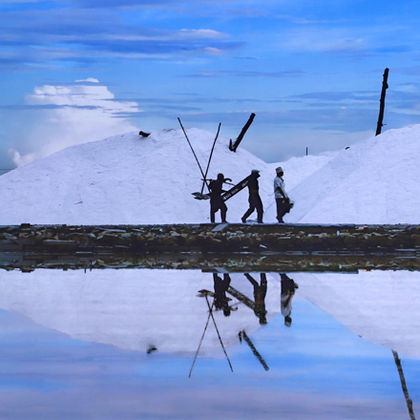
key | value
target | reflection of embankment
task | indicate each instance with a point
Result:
(239, 262)
(380, 306)
(133, 309)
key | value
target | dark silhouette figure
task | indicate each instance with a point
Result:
(216, 200)
(283, 203)
(220, 289)
(288, 287)
(254, 199)
(260, 290)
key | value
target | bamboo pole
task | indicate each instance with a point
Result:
(211, 154)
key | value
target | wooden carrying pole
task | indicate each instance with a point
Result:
(195, 156)
(211, 154)
(382, 102)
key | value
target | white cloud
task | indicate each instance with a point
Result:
(200, 33)
(324, 40)
(88, 80)
(83, 112)
(213, 51)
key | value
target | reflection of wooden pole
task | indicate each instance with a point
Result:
(240, 296)
(201, 341)
(404, 386)
(382, 102)
(244, 335)
(218, 334)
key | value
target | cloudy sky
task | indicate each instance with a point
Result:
(80, 70)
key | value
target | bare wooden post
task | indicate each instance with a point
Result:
(234, 146)
(404, 386)
(244, 335)
(307, 150)
(382, 102)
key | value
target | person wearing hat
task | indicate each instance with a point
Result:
(254, 198)
(282, 199)
(216, 200)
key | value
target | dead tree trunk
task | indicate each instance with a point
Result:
(244, 335)
(234, 146)
(382, 102)
(404, 386)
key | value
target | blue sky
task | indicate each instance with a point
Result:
(311, 71)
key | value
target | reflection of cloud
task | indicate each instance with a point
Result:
(84, 111)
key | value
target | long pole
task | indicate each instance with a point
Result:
(382, 102)
(218, 334)
(211, 154)
(201, 341)
(196, 159)
(404, 386)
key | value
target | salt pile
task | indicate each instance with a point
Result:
(129, 179)
(374, 181)
(123, 179)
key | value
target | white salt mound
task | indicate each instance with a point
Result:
(124, 179)
(129, 179)
(375, 181)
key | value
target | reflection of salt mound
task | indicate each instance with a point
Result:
(375, 181)
(380, 306)
(132, 309)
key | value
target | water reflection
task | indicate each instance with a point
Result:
(288, 287)
(176, 322)
(141, 309)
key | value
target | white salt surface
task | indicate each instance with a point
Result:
(130, 179)
(375, 181)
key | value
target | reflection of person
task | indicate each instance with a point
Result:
(220, 289)
(282, 200)
(254, 198)
(260, 290)
(216, 200)
(288, 287)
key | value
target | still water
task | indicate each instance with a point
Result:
(178, 344)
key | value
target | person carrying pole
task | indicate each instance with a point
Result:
(254, 199)
(216, 200)
(282, 200)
